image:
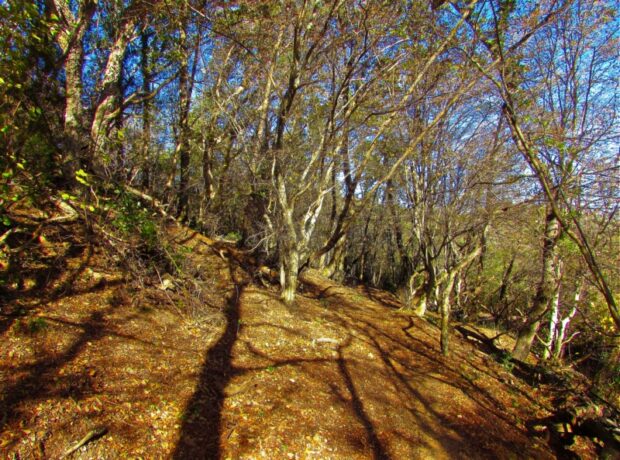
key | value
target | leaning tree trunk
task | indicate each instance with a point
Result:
(554, 314)
(561, 340)
(544, 290)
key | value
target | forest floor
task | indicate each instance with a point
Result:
(225, 370)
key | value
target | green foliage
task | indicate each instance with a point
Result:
(568, 247)
(233, 236)
(615, 379)
(148, 230)
(82, 177)
(132, 218)
(36, 325)
(6, 197)
(29, 88)
(9, 193)
(505, 360)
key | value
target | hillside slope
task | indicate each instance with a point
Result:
(224, 370)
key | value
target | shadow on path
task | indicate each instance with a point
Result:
(202, 419)
(378, 451)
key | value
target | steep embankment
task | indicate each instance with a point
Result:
(220, 368)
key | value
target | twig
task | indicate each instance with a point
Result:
(70, 214)
(325, 340)
(91, 436)
(159, 207)
(5, 235)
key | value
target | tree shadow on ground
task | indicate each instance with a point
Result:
(365, 383)
(203, 429)
(202, 420)
(378, 450)
(385, 343)
(49, 272)
(39, 381)
(384, 298)
(402, 373)
(71, 364)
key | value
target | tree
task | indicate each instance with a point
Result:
(30, 89)
(555, 145)
(71, 29)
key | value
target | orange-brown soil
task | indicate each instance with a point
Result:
(225, 370)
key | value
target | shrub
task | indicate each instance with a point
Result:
(134, 219)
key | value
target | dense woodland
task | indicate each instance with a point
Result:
(463, 155)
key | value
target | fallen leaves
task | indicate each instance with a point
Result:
(271, 394)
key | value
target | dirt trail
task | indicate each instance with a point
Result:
(339, 375)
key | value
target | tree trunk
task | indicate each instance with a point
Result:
(553, 325)
(146, 112)
(187, 77)
(430, 283)
(544, 177)
(73, 88)
(121, 171)
(335, 267)
(416, 293)
(503, 289)
(554, 315)
(544, 290)
(109, 105)
(561, 340)
(70, 40)
(445, 298)
(289, 244)
(263, 111)
(289, 274)
(558, 349)
(207, 172)
(289, 257)
(405, 261)
(73, 108)
(182, 146)
(445, 313)
(420, 309)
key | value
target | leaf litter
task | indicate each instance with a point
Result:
(338, 375)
